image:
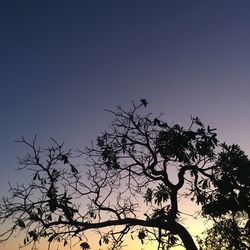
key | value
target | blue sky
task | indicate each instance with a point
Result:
(63, 62)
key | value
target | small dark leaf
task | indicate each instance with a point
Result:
(35, 176)
(49, 217)
(92, 214)
(53, 205)
(85, 246)
(144, 102)
(204, 185)
(34, 235)
(148, 196)
(141, 236)
(52, 237)
(172, 240)
(34, 217)
(106, 239)
(124, 144)
(198, 122)
(156, 122)
(73, 169)
(60, 218)
(39, 211)
(20, 223)
(64, 158)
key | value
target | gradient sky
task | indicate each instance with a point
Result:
(63, 62)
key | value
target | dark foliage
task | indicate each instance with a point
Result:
(129, 163)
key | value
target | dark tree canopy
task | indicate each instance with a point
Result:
(228, 232)
(122, 184)
(229, 202)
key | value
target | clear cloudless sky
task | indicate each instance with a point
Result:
(63, 62)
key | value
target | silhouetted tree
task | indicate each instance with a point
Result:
(228, 204)
(228, 232)
(132, 161)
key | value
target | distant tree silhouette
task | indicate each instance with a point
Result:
(131, 162)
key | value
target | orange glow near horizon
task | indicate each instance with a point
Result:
(194, 226)
(187, 208)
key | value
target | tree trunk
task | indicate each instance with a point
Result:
(185, 236)
(171, 225)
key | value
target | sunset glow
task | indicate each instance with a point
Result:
(64, 62)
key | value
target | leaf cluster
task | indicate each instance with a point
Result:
(159, 195)
(187, 146)
(232, 183)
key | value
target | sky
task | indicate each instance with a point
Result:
(63, 62)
